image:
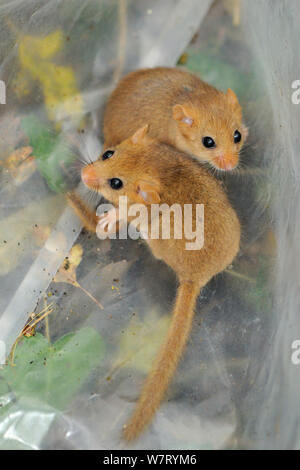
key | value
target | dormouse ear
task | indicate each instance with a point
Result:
(147, 192)
(232, 98)
(140, 137)
(183, 113)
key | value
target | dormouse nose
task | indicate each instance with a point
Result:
(230, 163)
(226, 162)
(90, 176)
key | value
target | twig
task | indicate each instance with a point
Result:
(31, 324)
(47, 328)
(239, 275)
(76, 284)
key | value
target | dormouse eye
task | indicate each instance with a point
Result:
(208, 142)
(107, 154)
(237, 137)
(115, 183)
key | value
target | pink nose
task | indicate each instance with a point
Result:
(89, 176)
(229, 165)
(226, 162)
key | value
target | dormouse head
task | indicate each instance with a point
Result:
(123, 171)
(211, 129)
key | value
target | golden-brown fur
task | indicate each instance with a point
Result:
(156, 172)
(85, 214)
(180, 109)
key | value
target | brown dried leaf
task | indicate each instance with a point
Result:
(21, 164)
(67, 271)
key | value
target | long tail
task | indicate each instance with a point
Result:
(163, 370)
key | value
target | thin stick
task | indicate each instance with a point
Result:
(239, 275)
(47, 328)
(29, 327)
(31, 324)
(76, 284)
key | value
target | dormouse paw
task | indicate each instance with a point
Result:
(107, 222)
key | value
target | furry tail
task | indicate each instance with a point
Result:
(163, 370)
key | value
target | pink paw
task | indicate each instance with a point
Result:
(107, 222)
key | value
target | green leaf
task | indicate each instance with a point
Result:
(218, 73)
(49, 150)
(53, 373)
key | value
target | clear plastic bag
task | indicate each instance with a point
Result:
(105, 312)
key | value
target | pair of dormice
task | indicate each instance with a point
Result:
(157, 123)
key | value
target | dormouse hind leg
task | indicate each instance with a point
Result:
(87, 215)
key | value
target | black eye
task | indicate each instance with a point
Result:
(115, 183)
(208, 142)
(107, 154)
(237, 137)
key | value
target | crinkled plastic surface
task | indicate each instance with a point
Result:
(104, 313)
